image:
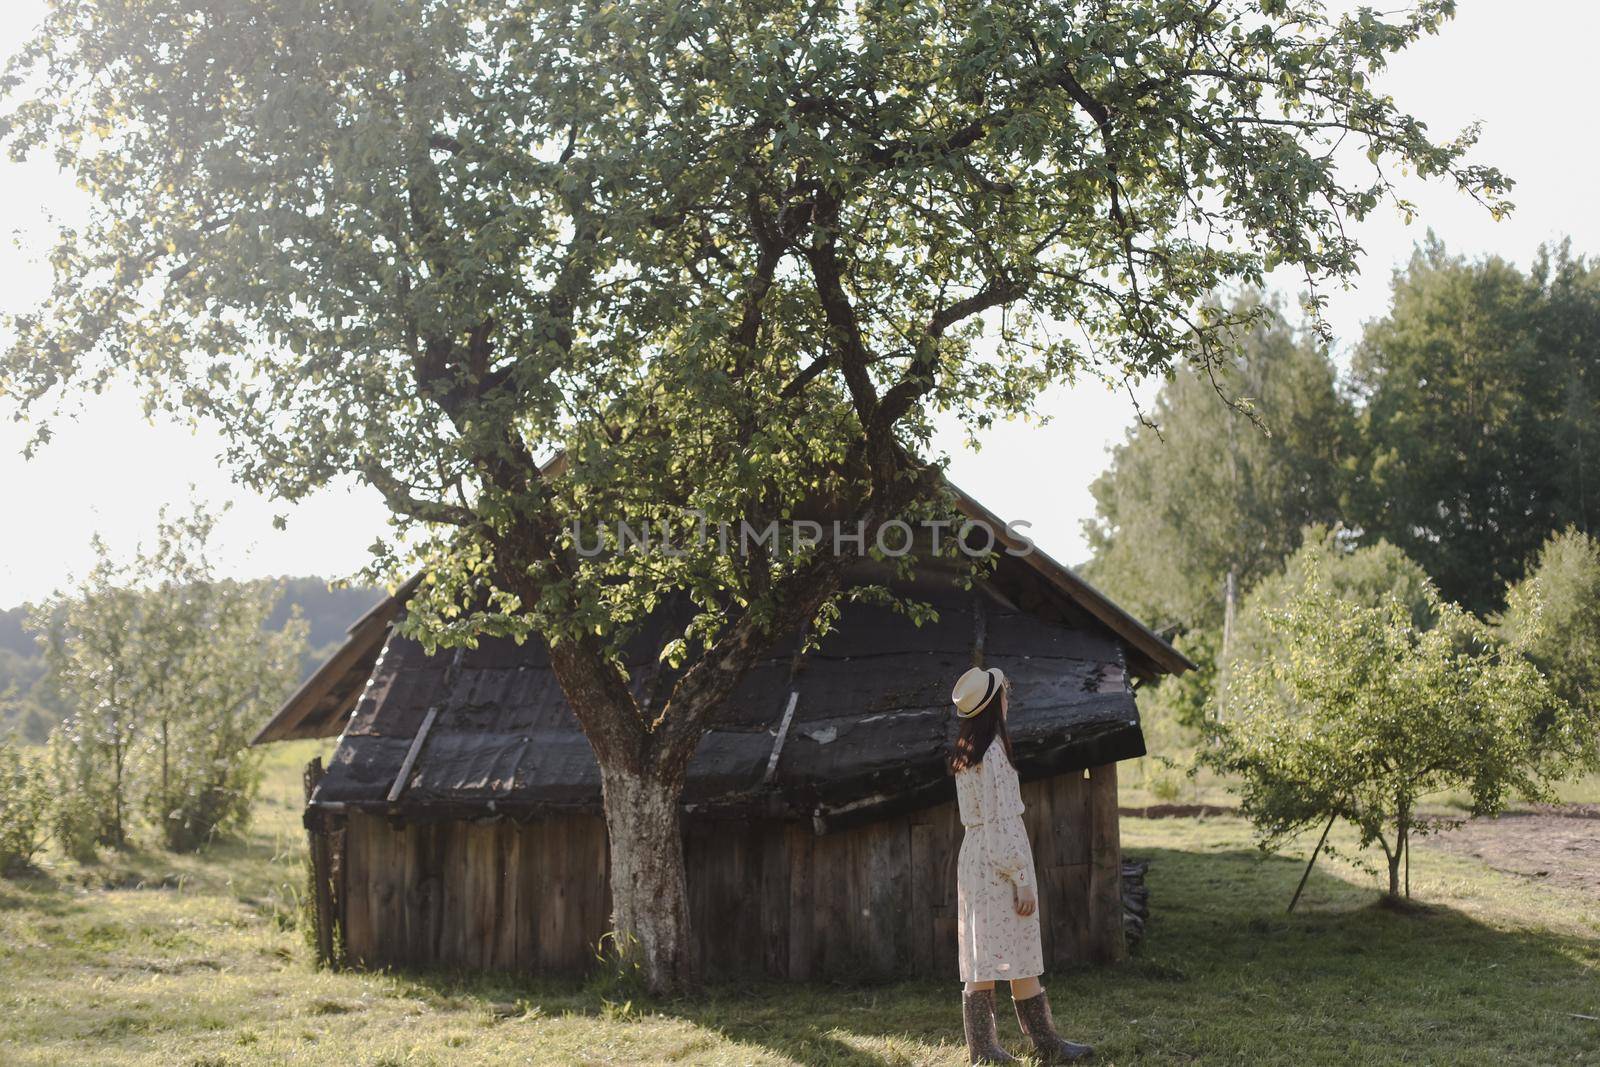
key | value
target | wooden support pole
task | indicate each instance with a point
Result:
(320, 884)
(1107, 942)
(1320, 842)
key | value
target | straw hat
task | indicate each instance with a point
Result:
(975, 689)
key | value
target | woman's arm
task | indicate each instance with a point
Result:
(1007, 850)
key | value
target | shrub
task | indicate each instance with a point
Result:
(24, 808)
(78, 810)
(223, 673)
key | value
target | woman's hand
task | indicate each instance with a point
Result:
(1026, 901)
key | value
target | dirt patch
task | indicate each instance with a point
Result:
(1175, 811)
(1554, 844)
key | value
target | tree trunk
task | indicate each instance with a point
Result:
(1230, 595)
(1402, 837)
(639, 790)
(649, 888)
(644, 757)
(119, 837)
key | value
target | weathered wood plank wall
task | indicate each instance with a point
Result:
(767, 898)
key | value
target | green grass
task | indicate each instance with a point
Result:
(153, 959)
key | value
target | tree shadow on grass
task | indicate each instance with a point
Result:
(1344, 976)
(1225, 976)
(35, 889)
(806, 1023)
(249, 868)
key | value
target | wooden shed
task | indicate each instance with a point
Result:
(458, 821)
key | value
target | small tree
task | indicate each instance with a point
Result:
(1360, 574)
(215, 670)
(1352, 573)
(77, 807)
(170, 668)
(90, 640)
(1354, 712)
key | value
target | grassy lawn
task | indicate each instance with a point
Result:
(151, 959)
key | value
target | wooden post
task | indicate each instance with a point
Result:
(320, 882)
(1230, 595)
(311, 776)
(355, 869)
(1406, 841)
(1107, 942)
(774, 846)
(802, 903)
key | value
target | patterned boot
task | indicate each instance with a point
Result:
(1034, 1015)
(977, 1013)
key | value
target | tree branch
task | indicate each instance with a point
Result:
(399, 496)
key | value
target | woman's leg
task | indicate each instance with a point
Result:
(1033, 1014)
(1023, 988)
(977, 1015)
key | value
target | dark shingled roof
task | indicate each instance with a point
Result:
(870, 724)
(853, 730)
(1035, 583)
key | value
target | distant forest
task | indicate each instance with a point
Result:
(29, 705)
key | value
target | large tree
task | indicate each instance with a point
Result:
(1481, 415)
(1202, 498)
(1200, 490)
(723, 256)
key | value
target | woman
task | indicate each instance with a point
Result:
(996, 901)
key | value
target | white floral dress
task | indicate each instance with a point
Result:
(996, 942)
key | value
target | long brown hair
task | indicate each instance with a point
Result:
(977, 733)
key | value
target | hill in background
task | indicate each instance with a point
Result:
(29, 705)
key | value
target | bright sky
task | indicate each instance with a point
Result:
(1524, 69)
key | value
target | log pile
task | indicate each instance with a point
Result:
(1135, 901)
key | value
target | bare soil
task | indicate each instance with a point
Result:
(1175, 811)
(1556, 844)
